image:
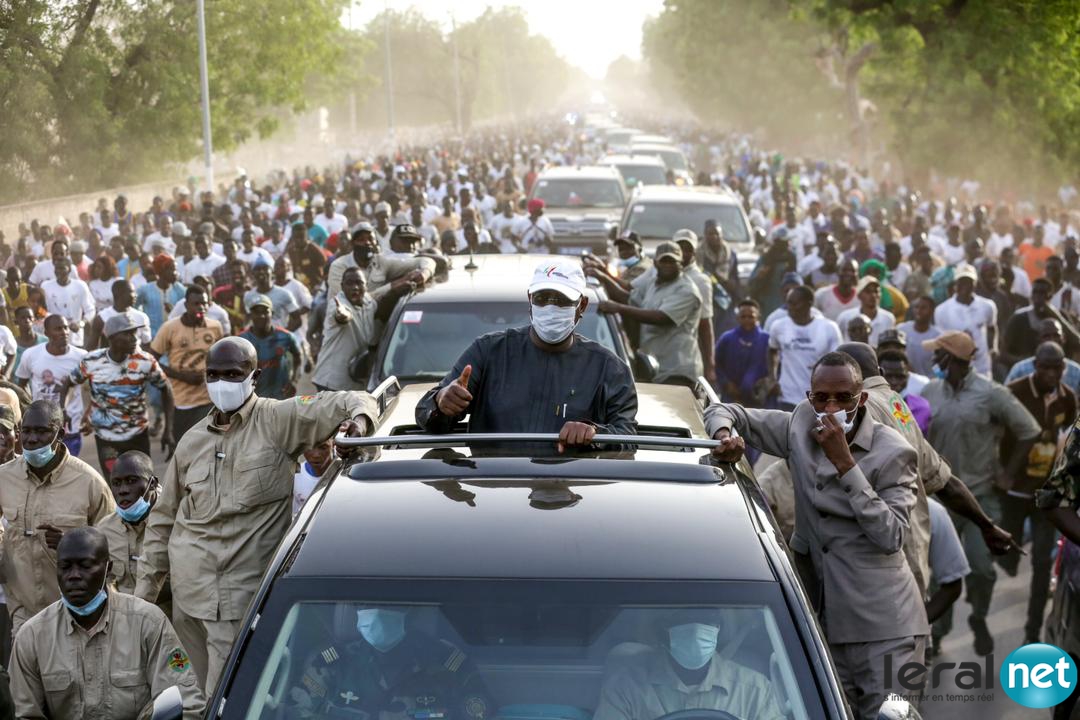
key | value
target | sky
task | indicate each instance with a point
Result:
(587, 33)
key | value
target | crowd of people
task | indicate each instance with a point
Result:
(199, 319)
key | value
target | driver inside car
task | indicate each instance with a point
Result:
(391, 672)
(685, 672)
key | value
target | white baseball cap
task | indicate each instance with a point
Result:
(561, 276)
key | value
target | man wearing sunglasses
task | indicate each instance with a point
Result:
(542, 378)
(855, 486)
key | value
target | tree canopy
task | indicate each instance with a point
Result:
(99, 92)
(989, 88)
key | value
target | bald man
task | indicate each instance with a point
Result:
(226, 499)
(97, 654)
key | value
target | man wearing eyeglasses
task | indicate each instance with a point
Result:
(542, 378)
(855, 485)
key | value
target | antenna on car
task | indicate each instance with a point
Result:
(472, 261)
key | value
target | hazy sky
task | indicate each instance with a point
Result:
(588, 33)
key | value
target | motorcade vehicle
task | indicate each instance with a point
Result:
(546, 580)
(672, 156)
(1062, 625)
(429, 329)
(638, 169)
(655, 213)
(582, 203)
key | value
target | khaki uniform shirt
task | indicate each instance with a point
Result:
(125, 546)
(72, 495)
(111, 672)
(652, 690)
(887, 407)
(674, 346)
(380, 272)
(967, 426)
(226, 500)
(852, 527)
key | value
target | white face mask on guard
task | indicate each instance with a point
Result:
(552, 323)
(841, 417)
(228, 396)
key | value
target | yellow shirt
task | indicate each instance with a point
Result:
(187, 348)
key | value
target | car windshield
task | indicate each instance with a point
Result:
(569, 193)
(428, 339)
(672, 158)
(648, 174)
(661, 220)
(498, 654)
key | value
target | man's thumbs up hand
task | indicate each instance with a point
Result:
(454, 399)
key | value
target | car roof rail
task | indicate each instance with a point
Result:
(705, 394)
(459, 439)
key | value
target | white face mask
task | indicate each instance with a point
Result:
(552, 323)
(841, 417)
(228, 396)
(693, 644)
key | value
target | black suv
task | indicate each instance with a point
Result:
(544, 582)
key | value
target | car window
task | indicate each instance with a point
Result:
(648, 174)
(525, 661)
(672, 158)
(661, 220)
(580, 193)
(428, 339)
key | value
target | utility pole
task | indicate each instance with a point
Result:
(389, 73)
(457, 73)
(204, 81)
(352, 91)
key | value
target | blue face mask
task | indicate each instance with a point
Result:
(629, 262)
(40, 457)
(136, 512)
(91, 607)
(383, 629)
(693, 645)
(938, 372)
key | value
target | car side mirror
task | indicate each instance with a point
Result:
(645, 367)
(169, 705)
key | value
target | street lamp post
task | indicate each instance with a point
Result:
(204, 81)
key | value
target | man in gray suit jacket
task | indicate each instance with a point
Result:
(855, 486)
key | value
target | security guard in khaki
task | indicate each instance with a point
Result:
(43, 493)
(96, 653)
(135, 490)
(226, 500)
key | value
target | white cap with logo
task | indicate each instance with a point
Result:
(563, 276)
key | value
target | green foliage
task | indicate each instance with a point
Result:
(98, 92)
(746, 64)
(505, 71)
(984, 88)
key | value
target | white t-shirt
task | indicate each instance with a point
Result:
(534, 236)
(200, 266)
(74, 301)
(501, 228)
(332, 224)
(951, 254)
(42, 271)
(253, 257)
(48, 374)
(974, 319)
(101, 290)
(8, 346)
(948, 562)
(882, 321)
(830, 305)
(304, 483)
(800, 347)
(166, 243)
(213, 312)
(238, 232)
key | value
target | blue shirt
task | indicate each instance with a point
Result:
(1025, 367)
(152, 301)
(275, 361)
(741, 358)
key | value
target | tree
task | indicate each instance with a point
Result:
(97, 92)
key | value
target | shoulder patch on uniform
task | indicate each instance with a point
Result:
(178, 660)
(900, 412)
(329, 655)
(305, 399)
(454, 661)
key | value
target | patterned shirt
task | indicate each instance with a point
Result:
(1061, 488)
(118, 391)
